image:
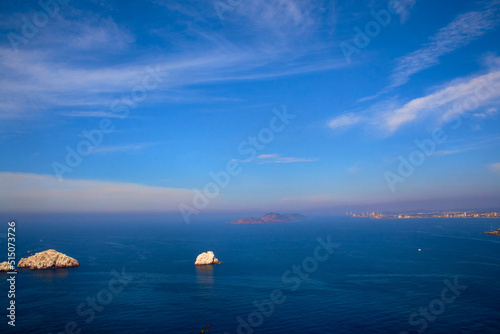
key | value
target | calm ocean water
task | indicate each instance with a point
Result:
(372, 282)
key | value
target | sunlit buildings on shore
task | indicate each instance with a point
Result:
(451, 214)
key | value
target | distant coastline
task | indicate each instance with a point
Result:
(422, 215)
(269, 218)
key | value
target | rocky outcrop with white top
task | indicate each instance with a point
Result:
(49, 259)
(206, 258)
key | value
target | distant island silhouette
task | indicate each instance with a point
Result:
(495, 233)
(271, 217)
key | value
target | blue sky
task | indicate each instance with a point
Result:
(172, 92)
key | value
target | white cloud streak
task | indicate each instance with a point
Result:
(119, 149)
(277, 159)
(277, 16)
(52, 85)
(454, 98)
(78, 70)
(479, 143)
(461, 31)
(91, 114)
(403, 8)
(345, 120)
(274, 158)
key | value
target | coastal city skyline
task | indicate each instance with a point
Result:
(253, 106)
(407, 215)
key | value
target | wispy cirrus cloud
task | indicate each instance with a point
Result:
(479, 144)
(79, 68)
(90, 33)
(454, 98)
(277, 16)
(282, 21)
(403, 8)
(452, 151)
(488, 113)
(268, 156)
(71, 86)
(121, 148)
(274, 158)
(345, 120)
(92, 114)
(277, 159)
(457, 97)
(464, 29)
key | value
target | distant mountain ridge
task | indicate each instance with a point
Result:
(271, 217)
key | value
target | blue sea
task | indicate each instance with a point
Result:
(333, 275)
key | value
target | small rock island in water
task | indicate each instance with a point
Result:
(271, 217)
(49, 259)
(5, 266)
(495, 233)
(206, 258)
